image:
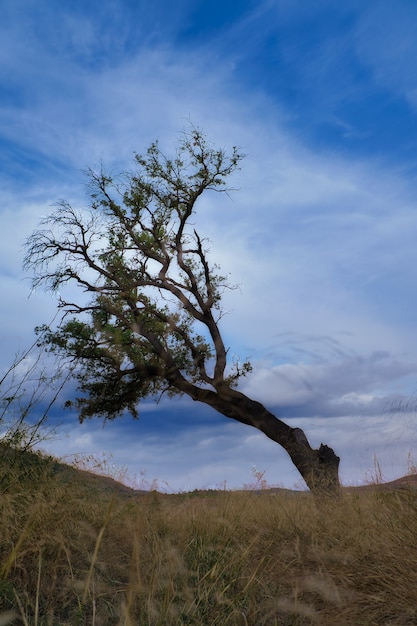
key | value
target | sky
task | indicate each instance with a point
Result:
(319, 234)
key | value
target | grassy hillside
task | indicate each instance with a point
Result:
(82, 550)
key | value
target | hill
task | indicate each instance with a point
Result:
(82, 549)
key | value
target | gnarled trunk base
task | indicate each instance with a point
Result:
(324, 474)
(319, 468)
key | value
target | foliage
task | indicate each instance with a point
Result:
(152, 321)
(28, 391)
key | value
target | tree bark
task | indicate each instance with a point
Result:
(318, 467)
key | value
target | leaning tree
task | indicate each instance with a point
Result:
(150, 321)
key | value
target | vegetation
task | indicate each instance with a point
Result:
(152, 324)
(74, 551)
(28, 391)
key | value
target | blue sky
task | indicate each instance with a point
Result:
(320, 236)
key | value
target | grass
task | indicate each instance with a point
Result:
(76, 550)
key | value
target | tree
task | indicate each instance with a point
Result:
(152, 321)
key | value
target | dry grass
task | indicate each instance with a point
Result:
(74, 553)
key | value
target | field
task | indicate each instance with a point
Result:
(76, 549)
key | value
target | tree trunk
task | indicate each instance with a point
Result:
(318, 467)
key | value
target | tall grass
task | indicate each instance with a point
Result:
(74, 553)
